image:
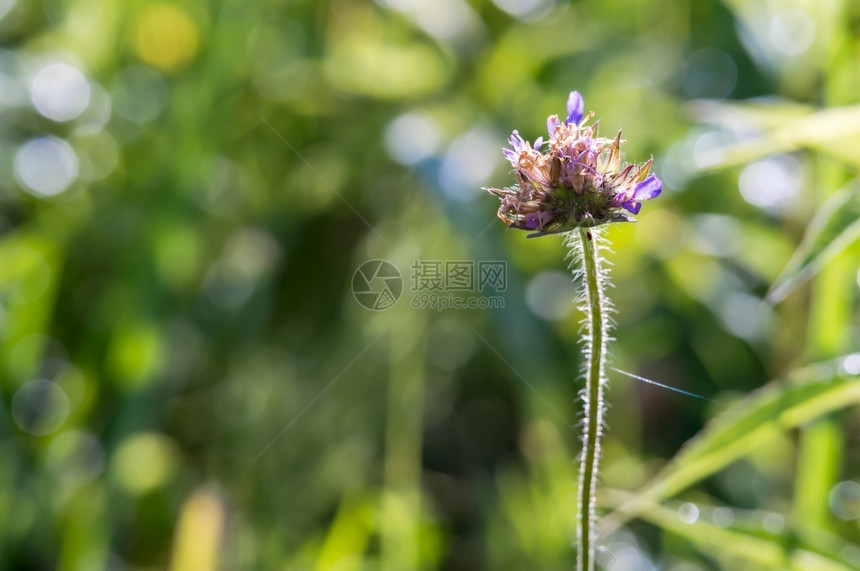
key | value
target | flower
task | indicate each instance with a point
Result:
(577, 181)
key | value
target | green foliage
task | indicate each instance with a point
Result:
(835, 227)
(748, 424)
(188, 188)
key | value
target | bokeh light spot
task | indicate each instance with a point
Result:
(709, 73)
(46, 166)
(845, 500)
(60, 92)
(98, 155)
(688, 513)
(527, 10)
(411, 138)
(468, 164)
(442, 19)
(136, 354)
(144, 461)
(851, 364)
(791, 32)
(716, 235)
(773, 183)
(746, 316)
(723, 517)
(249, 254)
(621, 552)
(227, 286)
(165, 37)
(709, 149)
(139, 93)
(550, 295)
(76, 458)
(97, 114)
(677, 165)
(40, 407)
(773, 523)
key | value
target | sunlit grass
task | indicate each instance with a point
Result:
(175, 286)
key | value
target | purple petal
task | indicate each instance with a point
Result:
(648, 188)
(551, 124)
(516, 141)
(575, 107)
(632, 206)
(537, 219)
(538, 143)
(518, 145)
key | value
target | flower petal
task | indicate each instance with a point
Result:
(648, 188)
(575, 107)
(632, 206)
(551, 124)
(516, 141)
(536, 220)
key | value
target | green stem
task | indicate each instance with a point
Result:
(595, 352)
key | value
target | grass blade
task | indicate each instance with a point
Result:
(747, 543)
(746, 426)
(835, 226)
(787, 129)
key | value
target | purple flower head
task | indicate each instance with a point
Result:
(575, 179)
(575, 108)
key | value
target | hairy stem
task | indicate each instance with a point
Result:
(596, 307)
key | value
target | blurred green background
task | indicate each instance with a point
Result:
(188, 188)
